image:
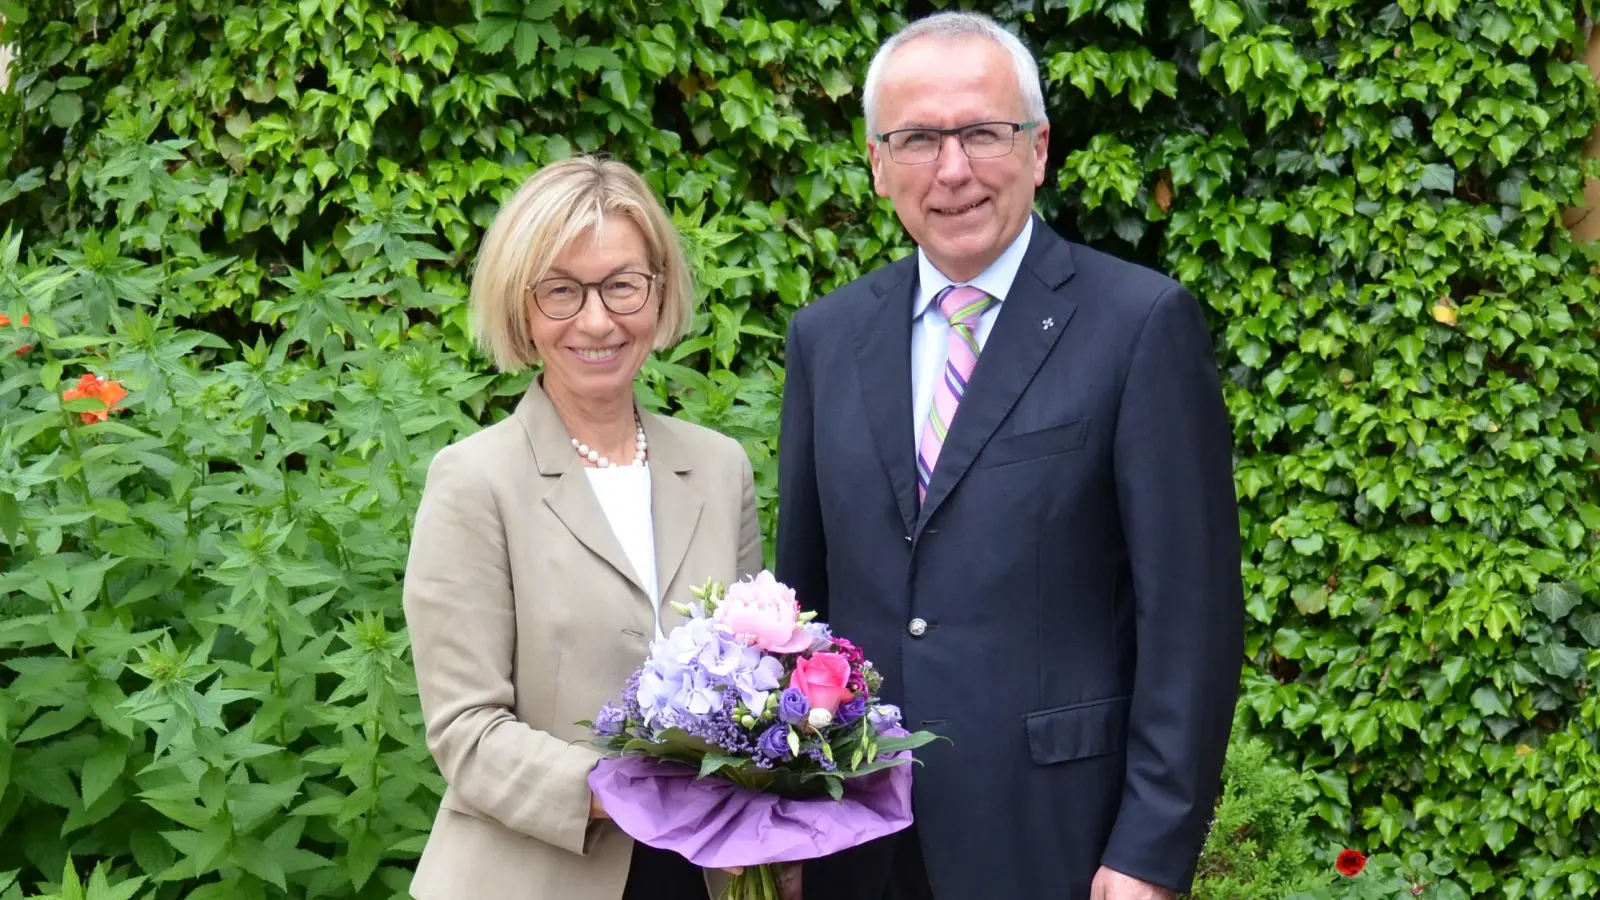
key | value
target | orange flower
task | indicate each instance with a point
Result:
(108, 392)
(24, 349)
(6, 320)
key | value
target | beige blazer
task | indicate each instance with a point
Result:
(525, 616)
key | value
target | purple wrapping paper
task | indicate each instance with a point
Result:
(714, 823)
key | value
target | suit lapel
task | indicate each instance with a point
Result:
(674, 506)
(571, 497)
(1030, 321)
(883, 360)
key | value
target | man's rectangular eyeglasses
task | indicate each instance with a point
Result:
(980, 140)
(622, 293)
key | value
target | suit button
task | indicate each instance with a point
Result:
(917, 627)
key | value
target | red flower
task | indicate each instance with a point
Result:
(5, 320)
(1350, 863)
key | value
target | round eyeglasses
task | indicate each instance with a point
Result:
(622, 293)
(980, 140)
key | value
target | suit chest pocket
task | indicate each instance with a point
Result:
(1040, 443)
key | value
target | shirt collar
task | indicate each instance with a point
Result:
(995, 281)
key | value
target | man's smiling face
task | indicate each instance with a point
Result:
(962, 212)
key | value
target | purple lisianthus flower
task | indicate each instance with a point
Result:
(793, 707)
(774, 743)
(821, 636)
(610, 720)
(850, 713)
(883, 717)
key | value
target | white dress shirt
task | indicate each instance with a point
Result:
(624, 493)
(930, 330)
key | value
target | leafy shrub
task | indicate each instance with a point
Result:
(258, 218)
(1258, 848)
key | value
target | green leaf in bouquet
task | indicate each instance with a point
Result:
(715, 762)
(794, 742)
(878, 765)
(834, 784)
(673, 743)
(888, 745)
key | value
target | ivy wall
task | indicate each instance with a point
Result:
(257, 219)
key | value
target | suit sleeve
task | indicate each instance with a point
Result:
(802, 557)
(459, 609)
(750, 551)
(1174, 478)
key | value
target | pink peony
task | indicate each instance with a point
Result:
(822, 678)
(763, 612)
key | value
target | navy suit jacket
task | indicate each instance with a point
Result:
(1066, 606)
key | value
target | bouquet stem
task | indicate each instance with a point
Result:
(754, 883)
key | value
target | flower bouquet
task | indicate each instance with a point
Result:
(751, 737)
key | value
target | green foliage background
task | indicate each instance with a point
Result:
(260, 217)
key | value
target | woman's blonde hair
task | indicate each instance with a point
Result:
(554, 207)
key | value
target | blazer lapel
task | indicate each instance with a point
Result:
(1030, 320)
(571, 498)
(883, 360)
(674, 506)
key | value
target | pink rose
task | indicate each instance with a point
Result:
(822, 679)
(763, 612)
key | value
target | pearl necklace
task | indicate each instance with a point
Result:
(640, 453)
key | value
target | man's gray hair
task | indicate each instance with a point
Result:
(957, 26)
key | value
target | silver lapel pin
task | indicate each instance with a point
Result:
(1048, 324)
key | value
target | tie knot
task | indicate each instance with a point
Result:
(961, 305)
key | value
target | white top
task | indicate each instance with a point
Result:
(624, 494)
(930, 334)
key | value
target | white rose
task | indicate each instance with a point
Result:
(819, 718)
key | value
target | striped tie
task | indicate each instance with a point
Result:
(961, 306)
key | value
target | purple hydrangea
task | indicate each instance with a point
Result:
(793, 707)
(851, 712)
(757, 680)
(672, 694)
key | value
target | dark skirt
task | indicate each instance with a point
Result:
(663, 875)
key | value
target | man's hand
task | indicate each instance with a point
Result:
(1111, 885)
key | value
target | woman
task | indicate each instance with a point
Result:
(548, 547)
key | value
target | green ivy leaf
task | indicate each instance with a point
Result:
(710, 11)
(1559, 661)
(1588, 625)
(1555, 601)
(1437, 177)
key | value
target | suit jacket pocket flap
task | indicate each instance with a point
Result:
(1079, 731)
(1035, 444)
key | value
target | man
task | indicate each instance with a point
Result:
(1025, 518)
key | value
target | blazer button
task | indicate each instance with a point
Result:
(917, 627)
